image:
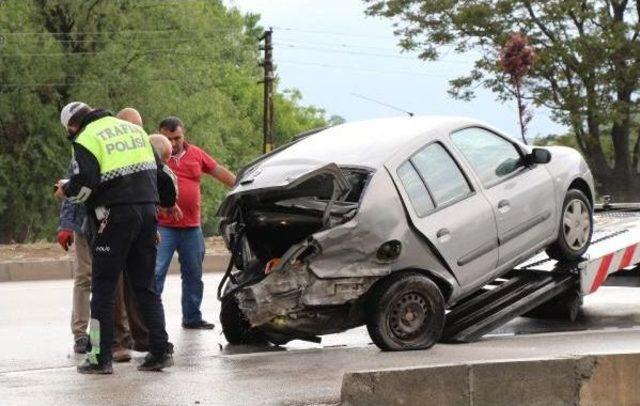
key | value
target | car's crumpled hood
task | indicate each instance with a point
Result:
(281, 174)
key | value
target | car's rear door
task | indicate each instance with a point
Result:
(444, 206)
(522, 197)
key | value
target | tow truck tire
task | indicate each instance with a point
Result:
(235, 326)
(576, 207)
(565, 307)
(405, 312)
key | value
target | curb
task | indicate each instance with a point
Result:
(587, 380)
(52, 269)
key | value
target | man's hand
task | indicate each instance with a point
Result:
(59, 193)
(174, 212)
(65, 239)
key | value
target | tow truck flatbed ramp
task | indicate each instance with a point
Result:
(615, 246)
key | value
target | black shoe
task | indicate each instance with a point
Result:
(199, 325)
(156, 363)
(80, 345)
(86, 367)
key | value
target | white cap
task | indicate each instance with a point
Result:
(69, 110)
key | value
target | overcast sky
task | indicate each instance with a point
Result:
(329, 50)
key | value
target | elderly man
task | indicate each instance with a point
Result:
(162, 146)
(131, 115)
(189, 163)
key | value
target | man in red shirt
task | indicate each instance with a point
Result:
(188, 163)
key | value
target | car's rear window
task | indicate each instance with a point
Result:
(415, 188)
(441, 173)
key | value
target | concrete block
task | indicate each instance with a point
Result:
(63, 269)
(5, 274)
(540, 382)
(613, 380)
(212, 263)
(446, 385)
(40, 270)
(588, 381)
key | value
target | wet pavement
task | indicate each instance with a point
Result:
(37, 365)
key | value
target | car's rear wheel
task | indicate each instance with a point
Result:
(405, 312)
(235, 326)
(576, 228)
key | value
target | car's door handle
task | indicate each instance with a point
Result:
(443, 235)
(504, 205)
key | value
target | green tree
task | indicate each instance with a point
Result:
(195, 59)
(587, 67)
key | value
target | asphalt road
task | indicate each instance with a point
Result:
(37, 365)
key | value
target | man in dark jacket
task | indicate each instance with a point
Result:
(116, 175)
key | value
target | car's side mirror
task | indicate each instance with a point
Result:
(538, 156)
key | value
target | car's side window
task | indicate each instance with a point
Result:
(415, 188)
(442, 175)
(491, 156)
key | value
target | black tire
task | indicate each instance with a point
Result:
(416, 296)
(567, 306)
(561, 249)
(235, 326)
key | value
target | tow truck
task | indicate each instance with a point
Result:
(543, 288)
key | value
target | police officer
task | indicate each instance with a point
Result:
(116, 175)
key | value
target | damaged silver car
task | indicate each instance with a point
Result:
(387, 223)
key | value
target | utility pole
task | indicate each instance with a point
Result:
(267, 64)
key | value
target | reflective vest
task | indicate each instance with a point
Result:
(121, 148)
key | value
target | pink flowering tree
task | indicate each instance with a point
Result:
(516, 60)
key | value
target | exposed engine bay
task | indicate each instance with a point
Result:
(274, 236)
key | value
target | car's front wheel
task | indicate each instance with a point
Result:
(405, 312)
(576, 228)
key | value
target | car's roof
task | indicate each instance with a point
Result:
(367, 143)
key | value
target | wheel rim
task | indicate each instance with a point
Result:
(408, 316)
(576, 222)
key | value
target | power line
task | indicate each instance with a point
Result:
(103, 52)
(342, 34)
(343, 47)
(108, 40)
(345, 34)
(356, 68)
(339, 51)
(79, 82)
(335, 44)
(122, 32)
(194, 71)
(155, 37)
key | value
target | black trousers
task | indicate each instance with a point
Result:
(125, 241)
